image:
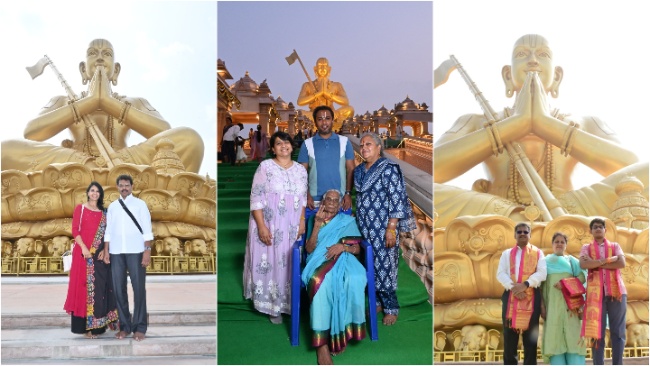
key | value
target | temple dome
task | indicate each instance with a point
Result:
(406, 104)
(281, 104)
(245, 84)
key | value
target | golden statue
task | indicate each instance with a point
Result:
(323, 91)
(529, 151)
(552, 141)
(114, 116)
(42, 183)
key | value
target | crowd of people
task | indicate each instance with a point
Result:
(313, 197)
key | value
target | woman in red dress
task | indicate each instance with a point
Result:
(90, 300)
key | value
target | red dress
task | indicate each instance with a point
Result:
(90, 290)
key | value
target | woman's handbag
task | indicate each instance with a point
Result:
(67, 256)
(572, 290)
(67, 259)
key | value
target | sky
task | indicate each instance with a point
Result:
(166, 49)
(380, 51)
(601, 46)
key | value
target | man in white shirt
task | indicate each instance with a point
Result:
(522, 269)
(229, 139)
(128, 247)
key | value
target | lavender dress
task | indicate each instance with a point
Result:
(281, 194)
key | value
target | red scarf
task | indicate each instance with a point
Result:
(598, 280)
(520, 312)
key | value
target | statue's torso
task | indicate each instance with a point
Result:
(553, 168)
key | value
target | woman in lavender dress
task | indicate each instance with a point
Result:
(278, 200)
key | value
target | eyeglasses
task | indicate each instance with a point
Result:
(522, 232)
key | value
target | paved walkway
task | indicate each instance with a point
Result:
(182, 326)
(41, 295)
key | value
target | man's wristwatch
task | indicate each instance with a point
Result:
(526, 283)
(147, 248)
(348, 192)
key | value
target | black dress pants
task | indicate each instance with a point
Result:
(511, 338)
(132, 262)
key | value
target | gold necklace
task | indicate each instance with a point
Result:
(549, 173)
(285, 166)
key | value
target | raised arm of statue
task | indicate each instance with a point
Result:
(469, 143)
(307, 94)
(59, 114)
(337, 94)
(55, 117)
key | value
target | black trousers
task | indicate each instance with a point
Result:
(511, 338)
(229, 149)
(120, 264)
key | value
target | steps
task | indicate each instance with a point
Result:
(182, 324)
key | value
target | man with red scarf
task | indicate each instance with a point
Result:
(522, 269)
(606, 294)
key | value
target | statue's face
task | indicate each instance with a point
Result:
(100, 53)
(322, 67)
(532, 53)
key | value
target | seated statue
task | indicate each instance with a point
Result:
(334, 278)
(114, 115)
(553, 141)
(323, 91)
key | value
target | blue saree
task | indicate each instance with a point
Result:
(335, 288)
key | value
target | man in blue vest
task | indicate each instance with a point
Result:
(329, 160)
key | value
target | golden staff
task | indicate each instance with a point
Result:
(105, 149)
(292, 58)
(549, 206)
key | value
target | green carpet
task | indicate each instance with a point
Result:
(245, 336)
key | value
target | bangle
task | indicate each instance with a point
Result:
(75, 113)
(569, 144)
(497, 137)
(125, 110)
(392, 231)
(493, 142)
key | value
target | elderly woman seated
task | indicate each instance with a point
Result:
(334, 278)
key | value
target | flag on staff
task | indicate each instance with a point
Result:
(441, 74)
(36, 70)
(292, 57)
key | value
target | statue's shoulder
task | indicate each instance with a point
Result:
(55, 102)
(593, 124)
(467, 123)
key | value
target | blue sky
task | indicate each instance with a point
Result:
(166, 49)
(380, 51)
